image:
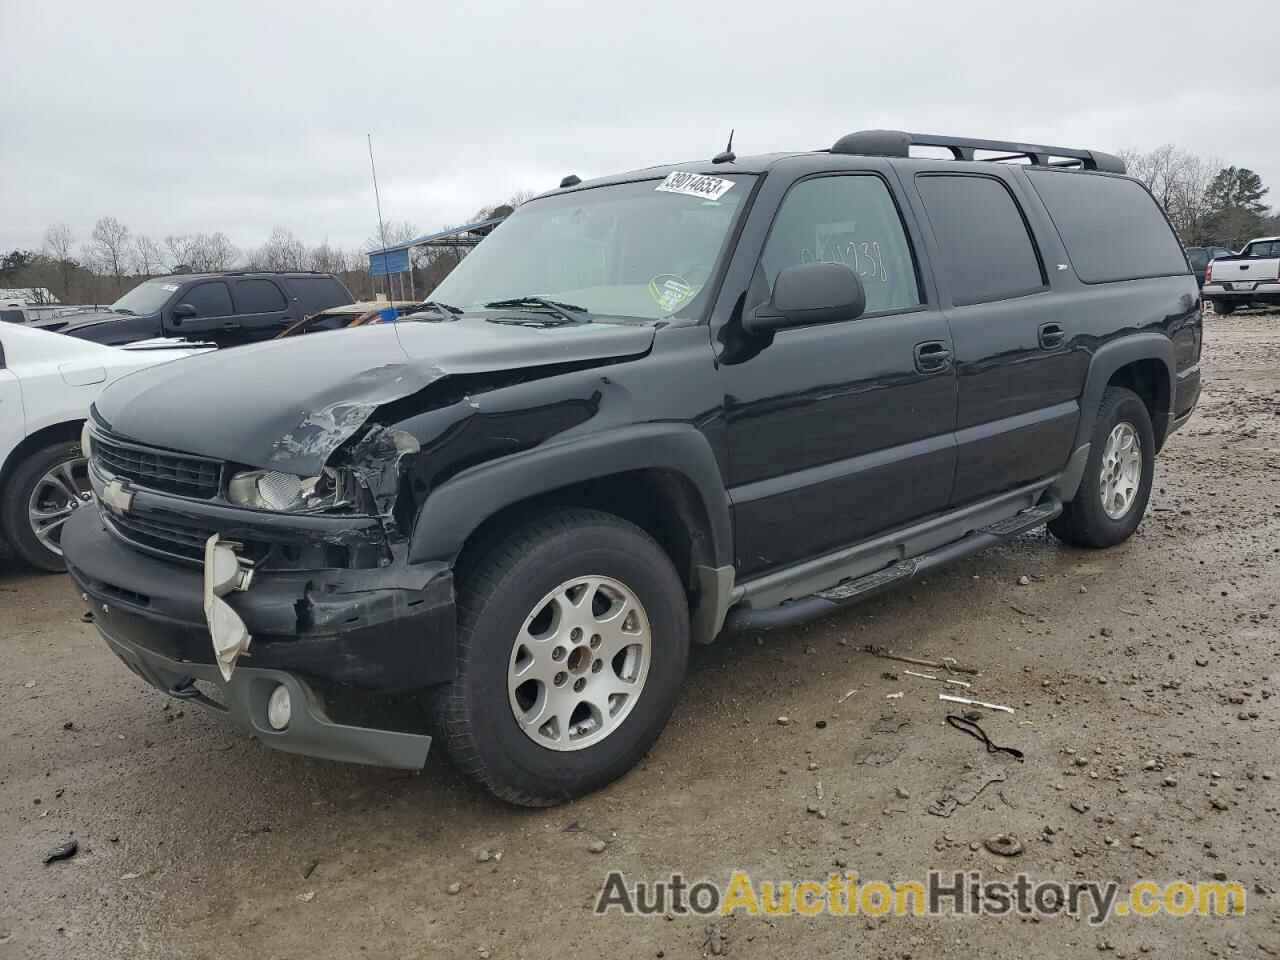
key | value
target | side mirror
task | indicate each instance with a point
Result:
(184, 311)
(809, 293)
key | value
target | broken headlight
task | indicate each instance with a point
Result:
(288, 493)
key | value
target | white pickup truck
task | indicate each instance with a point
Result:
(1251, 276)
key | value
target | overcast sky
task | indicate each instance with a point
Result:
(243, 116)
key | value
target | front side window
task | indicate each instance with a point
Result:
(626, 251)
(209, 299)
(984, 245)
(849, 219)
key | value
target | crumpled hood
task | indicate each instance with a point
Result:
(73, 321)
(287, 404)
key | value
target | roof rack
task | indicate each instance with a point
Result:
(898, 143)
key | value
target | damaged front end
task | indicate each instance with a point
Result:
(256, 583)
(254, 508)
(362, 481)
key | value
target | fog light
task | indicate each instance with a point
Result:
(279, 708)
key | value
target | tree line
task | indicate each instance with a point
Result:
(1207, 203)
(113, 259)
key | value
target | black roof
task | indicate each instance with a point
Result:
(880, 143)
(219, 274)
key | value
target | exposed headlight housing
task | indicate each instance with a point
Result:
(288, 493)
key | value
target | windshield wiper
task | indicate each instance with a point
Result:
(447, 310)
(566, 310)
(124, 310)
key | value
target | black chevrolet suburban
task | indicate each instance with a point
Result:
(648, 410)
(223, 308)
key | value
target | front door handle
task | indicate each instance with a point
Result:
(1052, 336)
(932, 356)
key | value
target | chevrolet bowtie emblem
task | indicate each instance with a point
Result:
(115, 496)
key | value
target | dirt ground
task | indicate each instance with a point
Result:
(1144, 680)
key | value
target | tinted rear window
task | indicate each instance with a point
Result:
(987, 252)
(1111, 227)
(258, 296)
(319, 293)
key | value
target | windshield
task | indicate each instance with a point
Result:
(629, 251)
(146, 297)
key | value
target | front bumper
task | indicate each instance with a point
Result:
(336, 638)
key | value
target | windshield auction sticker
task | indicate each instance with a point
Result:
(695, 185)
(670, 292)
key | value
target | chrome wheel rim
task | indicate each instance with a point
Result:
(1121, 470)
(54, 498)
(579, 663)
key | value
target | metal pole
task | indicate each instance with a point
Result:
(382, 230)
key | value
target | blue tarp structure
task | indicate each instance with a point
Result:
(396, 259)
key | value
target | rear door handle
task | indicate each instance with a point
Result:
(1051, 336)
(932, 356)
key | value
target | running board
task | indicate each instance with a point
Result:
(843, 594)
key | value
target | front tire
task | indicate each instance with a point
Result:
(39, 498)
(1113, 494)
(573, 642)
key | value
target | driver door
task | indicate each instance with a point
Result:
(839, 431)
(214, 317)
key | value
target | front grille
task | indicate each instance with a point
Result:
(179, 473)
(174, 539)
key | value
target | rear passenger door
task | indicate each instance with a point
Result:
(839, 431)
(262, 307)
(1019, 374)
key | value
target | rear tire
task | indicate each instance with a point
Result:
(1224, 307)
(1110, 502)
(45, 483)
(504, 730)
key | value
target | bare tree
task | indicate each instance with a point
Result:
(1180, 183)
(148, 259)
(109, 247)
(201, 252)
(181, 248)
(282, 251)
(214, 252)
(328, 259)
(58, 243)
(397, 232)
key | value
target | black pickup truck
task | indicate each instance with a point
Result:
(227, 309)
(648, 410)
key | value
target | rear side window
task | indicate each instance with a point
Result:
(852, 220)
(986, 249)
(258, 296)
(319, 293)
(1112, 228)
(209, 299)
